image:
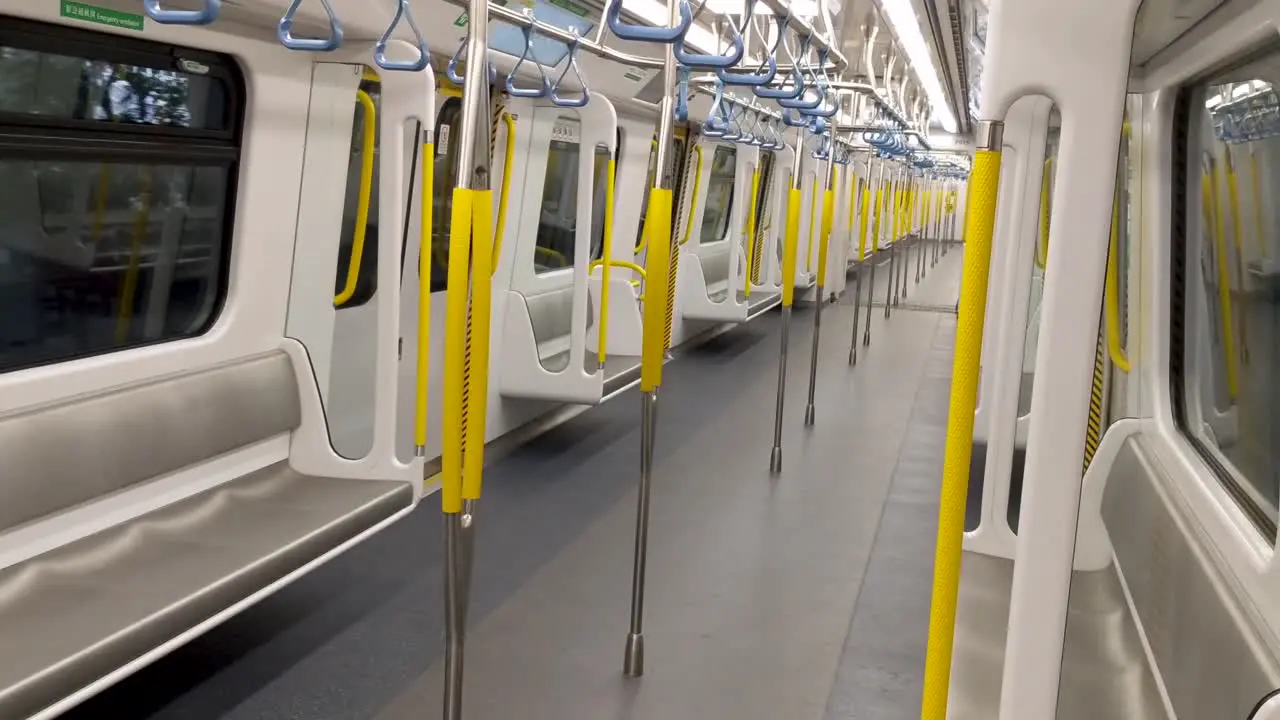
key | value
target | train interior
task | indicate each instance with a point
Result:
(1034, 474)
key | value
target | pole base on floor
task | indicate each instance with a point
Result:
(633, 663)
(775, 460)
(809, 416)
(853, 356)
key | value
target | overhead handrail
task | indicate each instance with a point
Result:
(646, 33)
(756, 78)
(800, 101)
(697, 186)
(284, 32)
(703, 60)
(505, 192)
(403, 10)
(585, 96)
(544, 88)
(203, 16)
(363, 200)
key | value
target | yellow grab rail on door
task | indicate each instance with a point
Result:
(424, 299)
(813, 216)
(1042, 248)
(1114, 346)
(824, 241)
(697, 187)
(863, 215)
(984, 187)
(363, 200)
(607, 252)
(504, 193)
(751, 231)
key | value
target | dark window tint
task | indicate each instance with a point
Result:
(111, 234)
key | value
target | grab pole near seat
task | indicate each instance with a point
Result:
(657, 234)
(789, 251)
(466, 361)
(824, 240)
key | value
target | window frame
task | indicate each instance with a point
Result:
(1187, 105)
(29, 137)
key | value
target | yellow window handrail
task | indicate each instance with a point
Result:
(1114, 345)
(751, 230)
(607, 261)
(697, 187)
(363, 199)
(505, 192)
(1042, 249)
(1214, 226)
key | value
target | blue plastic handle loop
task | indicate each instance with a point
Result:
(645, 33)
(732, 130)
(204, 16)
(751, 79)
(682, 94)
(585, 96)
(285, 31)
(544, 88)
(380, 48)
(716, 124)
(701, 60)
(451, 70)
(794, 119)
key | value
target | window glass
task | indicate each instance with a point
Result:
(557, 222)
(678, 148)
(719, 195)
(366, 275)
(1226, 388)
(106, 242)
(446, 176)
(68, 85)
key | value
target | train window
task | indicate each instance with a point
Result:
(557, 222)
(1226, 278)
(112, 234)
(347, 295)
(446, 176)
(677, 148)
(719, 194)
(55, 77)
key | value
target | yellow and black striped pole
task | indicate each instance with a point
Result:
(984, 185)
(789, 251)
(655, 333)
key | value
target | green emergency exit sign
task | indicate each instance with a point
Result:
(101, 15)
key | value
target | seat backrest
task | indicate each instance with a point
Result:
(715, 267)
(60, 455)
(552, 313)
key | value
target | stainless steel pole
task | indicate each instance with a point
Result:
(890, 289)
(633, 658)
(459, 528)
(823, 240)
(865, 201)
(876, 230)
(788, 288)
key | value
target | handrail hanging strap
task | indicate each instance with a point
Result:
(284, 32)
(404, 10)
(701, 60)
(797, 77)
(203, 16)
(544, 88)
(585, 96)
(645, 33)
(799, 101)
(363, 200)
(756, 78)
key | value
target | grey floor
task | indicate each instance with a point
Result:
(799, 596)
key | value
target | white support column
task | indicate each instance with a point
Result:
(1034, 47)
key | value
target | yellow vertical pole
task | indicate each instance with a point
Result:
(984, 183)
